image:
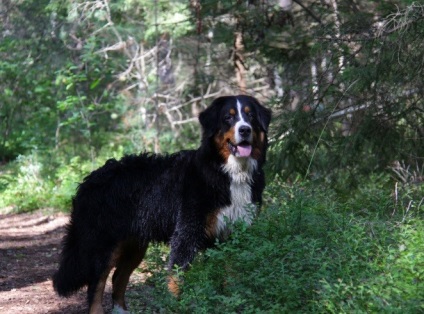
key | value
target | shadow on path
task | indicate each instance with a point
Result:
(29, 253)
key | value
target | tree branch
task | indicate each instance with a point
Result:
(312, 14)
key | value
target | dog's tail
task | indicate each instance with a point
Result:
(73, 271)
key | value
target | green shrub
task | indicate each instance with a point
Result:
(26, 189)
(308, 252)
(34, 181)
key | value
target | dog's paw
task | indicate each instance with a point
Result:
(119, 310)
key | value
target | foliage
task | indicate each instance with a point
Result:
(367, 115)
(63, 108)
(38, 181)
(28, 186)
(309, 252)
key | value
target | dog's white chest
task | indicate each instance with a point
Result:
(241, 208)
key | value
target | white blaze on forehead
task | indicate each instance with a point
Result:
(239, 107)
(241, 122)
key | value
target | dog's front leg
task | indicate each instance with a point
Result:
(184, 246)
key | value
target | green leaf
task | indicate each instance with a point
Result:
(95, 84)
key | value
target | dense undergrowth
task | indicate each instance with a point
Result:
(37, 180)
(308, 251)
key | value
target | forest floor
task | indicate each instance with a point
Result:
(29, 252)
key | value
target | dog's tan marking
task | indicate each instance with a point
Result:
(130, 257)
(211, 221)
(247, 109)
(232, 112)
(221, 142)
(174, 285)
(96, 306)
(258, 145)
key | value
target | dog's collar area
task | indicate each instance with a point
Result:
(243, 149)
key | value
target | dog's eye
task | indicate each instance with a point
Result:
(250, 115)
(228, 118)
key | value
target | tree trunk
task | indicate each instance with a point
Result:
(239, 62)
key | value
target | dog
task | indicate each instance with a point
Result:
(186, 199)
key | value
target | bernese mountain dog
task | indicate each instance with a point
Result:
(186, 199)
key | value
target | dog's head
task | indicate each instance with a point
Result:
(238, 126)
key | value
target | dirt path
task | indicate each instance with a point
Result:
(29, 251)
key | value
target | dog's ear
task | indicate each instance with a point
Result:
(263, 114)
(209, 118)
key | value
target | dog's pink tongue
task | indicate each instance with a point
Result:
(244, 150)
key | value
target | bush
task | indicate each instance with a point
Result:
(25, 190)
(310, 252)
(35, 181)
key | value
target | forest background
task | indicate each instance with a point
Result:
(341, 229)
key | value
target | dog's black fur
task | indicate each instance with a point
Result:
(122, 206)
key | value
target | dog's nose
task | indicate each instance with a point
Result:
(245, 131)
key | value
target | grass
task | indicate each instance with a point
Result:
(308, 252)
